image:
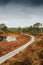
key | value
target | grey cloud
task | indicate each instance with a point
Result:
(26, 2)
(18, 12)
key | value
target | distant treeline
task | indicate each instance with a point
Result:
(36, 28)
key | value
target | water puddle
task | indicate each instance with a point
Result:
(8, 38)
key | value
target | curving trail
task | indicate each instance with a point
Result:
(13, 53)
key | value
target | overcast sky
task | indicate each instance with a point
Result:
(21, 13)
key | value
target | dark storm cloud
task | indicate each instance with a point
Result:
(26, 2)
(2, 2)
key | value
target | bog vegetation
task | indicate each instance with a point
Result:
(33, 54)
